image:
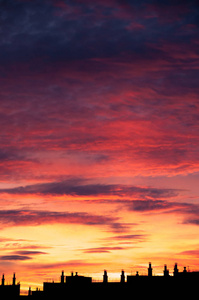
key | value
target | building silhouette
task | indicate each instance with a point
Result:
(9, 291)
(177, 285)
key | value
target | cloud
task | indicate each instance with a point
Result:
(4, 239)
(78, 187)
(103, 249)
(30, 252)
(163, 206)
(31, 217)
(192, 221)
(189, 211)
(135, 237)
(121, 239)
(74, 30)
(15, 257)
(21, 255)
(65, 264)
(143, 77)
(151, 205)
(194, 252)
(8, 155)
(9, 218)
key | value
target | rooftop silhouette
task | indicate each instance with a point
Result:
(9, 291)
(178, 284)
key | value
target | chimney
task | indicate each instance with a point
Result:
(175, 272)
(150, 270)
(14, 279)
(3, 280)
(105, 277)
(166, 271)
(122, 277)
(62, 277)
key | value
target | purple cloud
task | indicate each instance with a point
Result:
(78, 187)
(21, 255)
(150, 205)
(15, 257)
(22, 217)
(33, 217)
(135, 237)
(189, 211)
(29, 252)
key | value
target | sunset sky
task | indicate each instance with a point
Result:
(99, 137)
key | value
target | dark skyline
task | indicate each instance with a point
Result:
(78, 286)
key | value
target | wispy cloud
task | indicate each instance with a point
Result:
(189, 211)
(103, 249)
(78, 187)
(9, 218)
(78, 263)
(15, 257)
(30, 252)
(153, 205)
(131, 237)
(21, 255)
(192, 252)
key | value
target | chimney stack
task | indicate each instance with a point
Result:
(150, 270)
(166, 271)
(3, 280)
(122, 277)
(62, 277)
(175, 272)
(105, 277)
(14, 279)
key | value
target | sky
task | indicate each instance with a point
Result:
(99, 139)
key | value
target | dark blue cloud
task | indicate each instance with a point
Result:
(79, 187)
(42, 29)
(12, 155)
(71, 68)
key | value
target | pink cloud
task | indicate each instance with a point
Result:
(103, 249)
(10, 218)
